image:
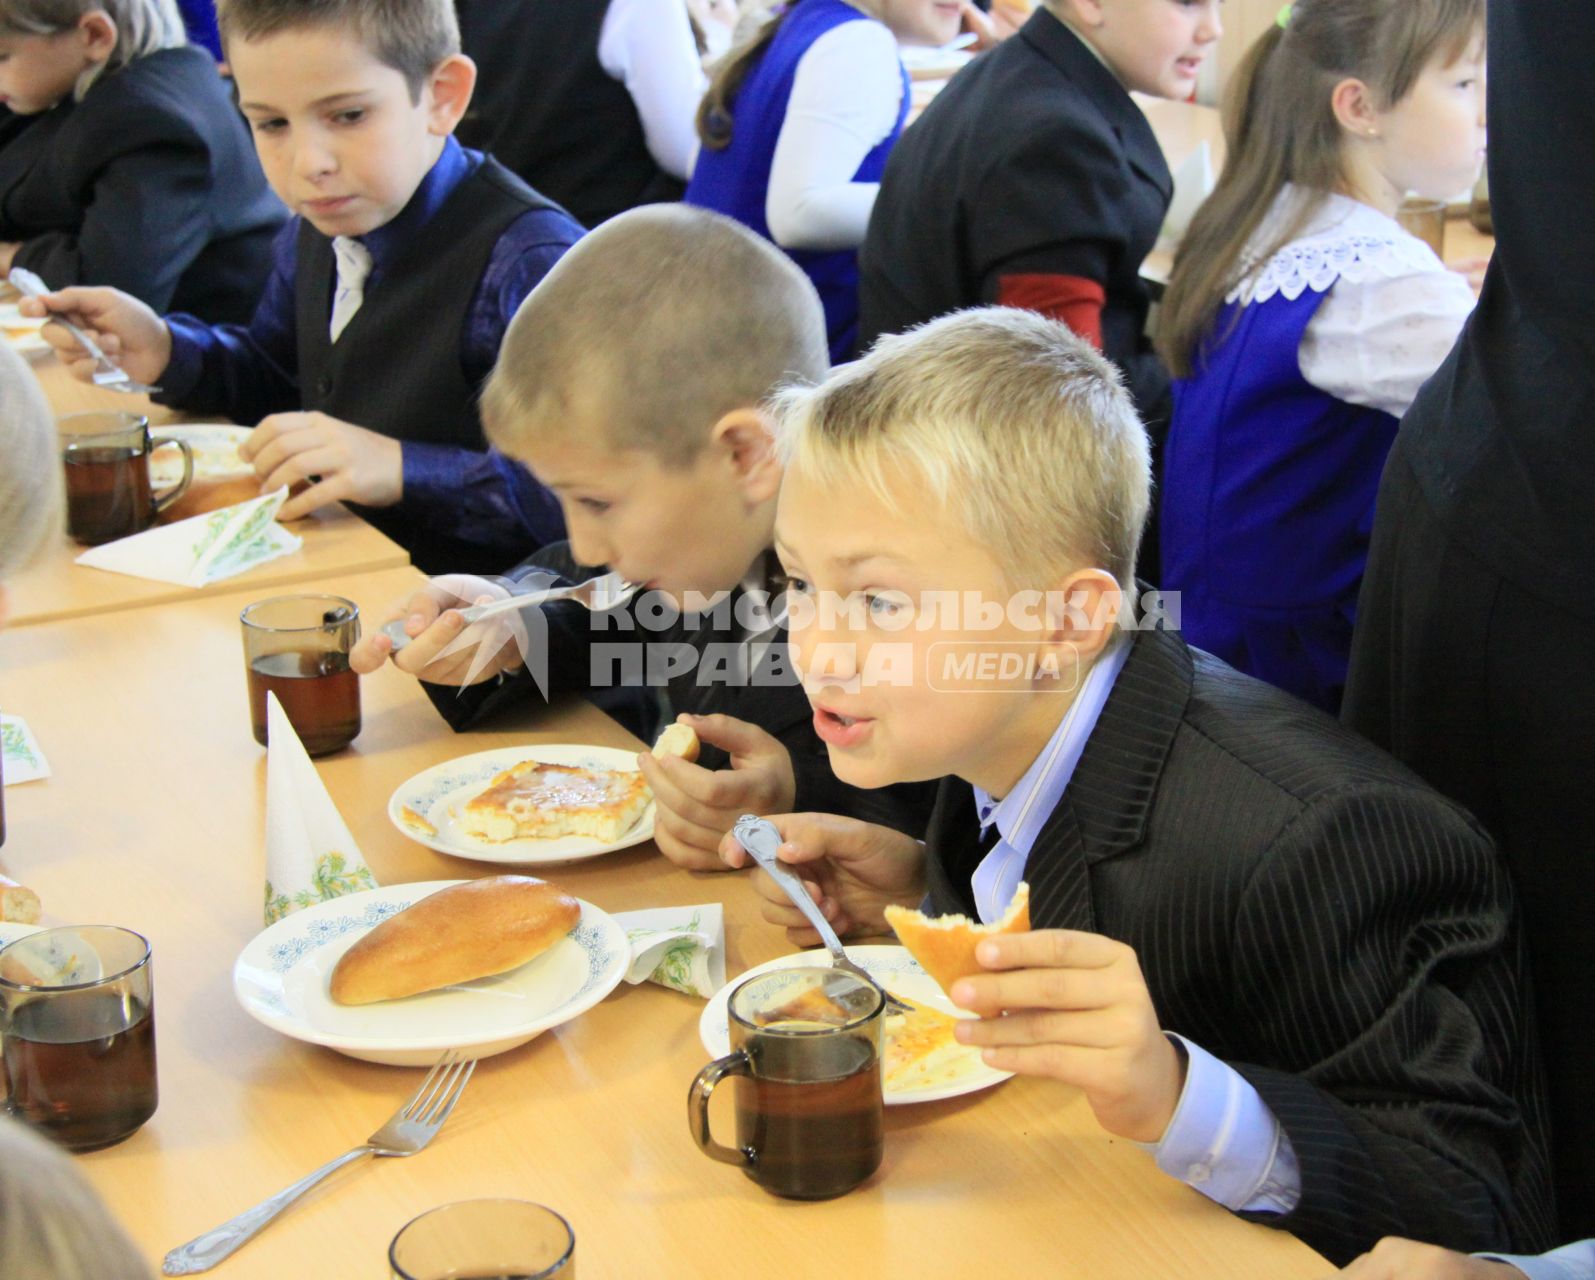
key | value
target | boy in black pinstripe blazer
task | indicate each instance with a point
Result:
(1262, 948)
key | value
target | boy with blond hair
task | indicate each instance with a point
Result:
(631, 384)
(392, 285)
(1261, 947)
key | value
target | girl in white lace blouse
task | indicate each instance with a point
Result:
(1301, 319)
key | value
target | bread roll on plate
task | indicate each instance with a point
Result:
(458, 934)
(677, 740)
(945, 945)
(18, 903)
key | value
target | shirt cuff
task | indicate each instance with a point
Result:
(1225, 1142)
(183, 370)
(1574, 1262)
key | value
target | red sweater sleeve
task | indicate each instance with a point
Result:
(1072, 299)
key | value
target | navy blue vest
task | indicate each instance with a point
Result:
(1268, 501)
(736, 181)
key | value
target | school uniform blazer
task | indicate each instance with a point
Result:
(151, 185)
(1033, 159)
(704, 685)
(1309, 911)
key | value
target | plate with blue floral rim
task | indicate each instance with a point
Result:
(425, 807)
(281, 980)
(895, 969)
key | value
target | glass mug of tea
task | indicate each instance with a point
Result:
(297, 647)
(106, 457)
(485, 1240)
(77, 1032)
(806, 1054)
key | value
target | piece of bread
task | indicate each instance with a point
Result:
(18, 903)
(945, 945)
(464, 932)
(678, 740)
(545, 801)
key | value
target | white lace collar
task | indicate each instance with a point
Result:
(1346, 239)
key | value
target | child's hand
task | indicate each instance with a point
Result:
(853, 869)
(433, 623)
(127, 331)
(1077, 1009)
(349, 463)
(1396, 1259)
(8, 255)
(1472, 269)
(991, 29)
(697, 806)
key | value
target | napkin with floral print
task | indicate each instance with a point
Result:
(310, 855)
(202, 549)
(682, 948)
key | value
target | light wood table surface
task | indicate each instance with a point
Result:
(153, 819)
(335, 540)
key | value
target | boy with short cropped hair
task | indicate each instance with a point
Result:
(392, 286)
(1261, 947)
(631, 384)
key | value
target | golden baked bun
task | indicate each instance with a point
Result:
(458, 934)
(945, 945)
(678, 740)
(204, 496)
(18, 903)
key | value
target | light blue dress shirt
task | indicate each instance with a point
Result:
(1223, 1139)
(1570, 1262)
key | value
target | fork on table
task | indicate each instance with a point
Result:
(409, 1129)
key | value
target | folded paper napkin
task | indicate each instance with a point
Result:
(1193, 183)
(682, 948)
(21, 759)
(201, 549)
(310, 855)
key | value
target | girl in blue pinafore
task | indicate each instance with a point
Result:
(1301, 319)
(796, 128)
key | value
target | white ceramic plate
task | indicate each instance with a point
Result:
(898, 972)
(281, 980)
(11, 932)
(434, 794)
(215, 446)
(22, 332)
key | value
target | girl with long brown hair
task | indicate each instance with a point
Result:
(1301, 320)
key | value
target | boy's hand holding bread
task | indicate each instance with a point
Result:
(697, 806)
(127, 331)
(853, 869)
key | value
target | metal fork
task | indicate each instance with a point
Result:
(107, 373)
(607, 591)
(761, 839)
(409, 1129)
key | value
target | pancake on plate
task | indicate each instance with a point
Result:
(540, 801)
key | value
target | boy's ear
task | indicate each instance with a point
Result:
(449, 90)
(97, 31)
(1355, 108)
(745, 440)
(1082, 616)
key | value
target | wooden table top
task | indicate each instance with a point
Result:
(53, 588)
(153, 818)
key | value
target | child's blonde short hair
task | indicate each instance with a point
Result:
(649, 331)
(142, 27)
(55, 1225)
(30, 481)
(1018, 429)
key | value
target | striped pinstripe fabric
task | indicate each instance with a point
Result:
(1308, 910)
